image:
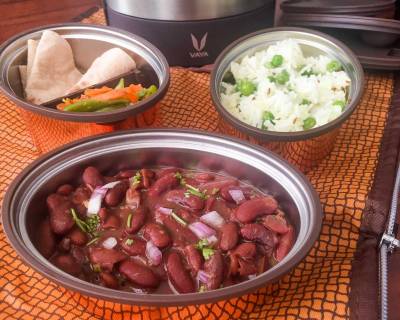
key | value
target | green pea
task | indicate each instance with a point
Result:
(246, 87)
(309, 123)
(282, 77)
(339, 103)
(334, 66)
(277, 60)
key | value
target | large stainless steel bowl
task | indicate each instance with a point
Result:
(307, 148)
(25, 202)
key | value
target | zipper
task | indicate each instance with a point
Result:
(387, 245)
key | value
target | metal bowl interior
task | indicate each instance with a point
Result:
(24, 205)
(87, 42)
(312, 43)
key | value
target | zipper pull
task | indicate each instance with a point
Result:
(390, 241)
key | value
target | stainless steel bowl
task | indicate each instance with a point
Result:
(24, 205)
(305, 149)
(50, 127)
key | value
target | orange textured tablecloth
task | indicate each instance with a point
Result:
(318, 288)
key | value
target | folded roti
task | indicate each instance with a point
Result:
(53, 69)
(110, 64)
(32, 46)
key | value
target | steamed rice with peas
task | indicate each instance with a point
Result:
(279, 89)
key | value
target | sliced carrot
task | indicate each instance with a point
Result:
(97, 91)
(112, 95)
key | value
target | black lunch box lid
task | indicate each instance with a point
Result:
(353, 7)
(362, 32)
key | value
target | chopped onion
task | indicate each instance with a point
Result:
(110, 243)
(213, 219)
(94, 204)
(201, 230)
(237, 195)
(110, 185)
(153, 253)
(202, 276)
(166, 211)
(212, 239)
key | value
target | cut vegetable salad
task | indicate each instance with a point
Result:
(279, 89)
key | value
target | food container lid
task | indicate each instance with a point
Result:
(184, 10)
(355, 7)
(376, 47)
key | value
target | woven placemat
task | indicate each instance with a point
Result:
(318, 288)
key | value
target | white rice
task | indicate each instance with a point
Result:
(284, 101)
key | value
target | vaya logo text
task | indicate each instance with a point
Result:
(199, 47)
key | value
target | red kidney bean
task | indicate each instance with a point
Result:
(178, 275)
(245, 250)
(209, 204)
(212, 186)
(132, 198)
(251, 209)
(61, 220)
(115, 195)
(233, 264)
(92, 177)
(186, 215)
(137, 246)
(67, 263)
(181, 235)
(247, 268)
(137, 221)
(139, 274)
(46, 240)
(103, 214)
(275, 223)
(65, 189)
(194, 258)
(125, 174)
(80, 195)
(229, 236)
(108, 280)
(167, 171)
(79, 255)
(214, 267)
(106, 258)
(64, 245)
(112, 222)
(157, 234)
(204, 177)
(257, 232)
(166, 182)
(191, 201)
(285, 244)
(77, 237)
(147, 175)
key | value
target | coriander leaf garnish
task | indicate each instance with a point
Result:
(89, 226)
(94, 240)
(207, 253)
(129, 220)
(136, 178)
(194, 191)
(201, 244)
(129, 242)
(178, 219)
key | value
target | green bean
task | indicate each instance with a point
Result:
(305, 102)
(121, 84)
(89, 105)
(147, 92)
(246, 87)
